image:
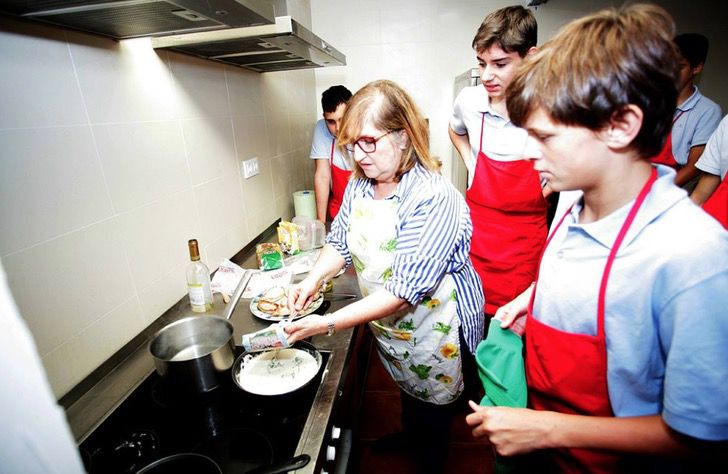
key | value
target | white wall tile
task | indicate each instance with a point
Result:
(218, 205)
(210, 148)
(245, 91)
(201, 85)
(347, 23)
(142, 162)
(64, 285)
(162, 294)
(155, 236)
(124, 81)
(37, 70)
(278, 130)
(80, 355)
(251, 137)
(48, 186)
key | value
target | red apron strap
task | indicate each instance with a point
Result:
(615, 247)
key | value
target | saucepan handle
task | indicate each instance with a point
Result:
(237, 294)
(284, 466)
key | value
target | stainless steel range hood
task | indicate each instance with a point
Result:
(122, 19)
(282, 46)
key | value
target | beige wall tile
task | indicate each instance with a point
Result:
(65, 285)
(155, 236)
(51, 183)
(82, 353)
(124, 81)
(210, 147)
(48, 81)
(202, 87)
(142, 161)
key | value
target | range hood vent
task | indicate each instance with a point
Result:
(122, 19)
(282, 46)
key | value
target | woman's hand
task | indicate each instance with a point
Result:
(305, 327)
(511, 430)
(518, 307)
(301, 295)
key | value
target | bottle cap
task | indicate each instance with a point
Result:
(194, 250)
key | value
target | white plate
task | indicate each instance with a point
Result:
(270, 317)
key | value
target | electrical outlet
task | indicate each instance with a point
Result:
(250, 168)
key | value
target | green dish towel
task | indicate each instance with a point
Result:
(502, 373)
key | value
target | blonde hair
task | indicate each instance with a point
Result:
(388, 107)
(597, 65)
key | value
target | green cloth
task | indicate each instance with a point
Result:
(502, 372)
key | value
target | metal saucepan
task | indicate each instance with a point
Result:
(193, 353)
(277, 372)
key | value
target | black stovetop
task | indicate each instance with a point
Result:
(237, 430)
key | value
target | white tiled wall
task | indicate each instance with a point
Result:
(112, 156)
(424, 44)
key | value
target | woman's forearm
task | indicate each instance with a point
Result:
(375, 306)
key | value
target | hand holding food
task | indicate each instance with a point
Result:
(306, 327)
(303, 294)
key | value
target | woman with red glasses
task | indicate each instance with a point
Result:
(407, 232)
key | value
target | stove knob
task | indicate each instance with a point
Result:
(335, 432)
(330, 453)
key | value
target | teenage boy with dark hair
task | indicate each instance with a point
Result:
(695, 118)
(626, 357)
(507, 203)
(332, 166)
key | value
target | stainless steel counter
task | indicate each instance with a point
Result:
(96, 404)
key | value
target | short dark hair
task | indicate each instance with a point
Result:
(693, 47)
(514, 29)
(637, 64)
(333, 96)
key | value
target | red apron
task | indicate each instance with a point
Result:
(665, 157)
(567, 372)
(339, 180)
(717, 203)
(508, 212)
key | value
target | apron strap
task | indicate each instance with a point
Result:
(615, 247)
(482, 124)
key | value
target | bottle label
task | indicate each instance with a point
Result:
(197, 297)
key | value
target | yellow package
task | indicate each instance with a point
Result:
(288, 237)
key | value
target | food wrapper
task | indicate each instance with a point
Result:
(261, 281)
(269, 256)
(272, 337)
(226, 278)
(288, 237)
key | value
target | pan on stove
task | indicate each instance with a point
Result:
(277, 372)
(200, 464)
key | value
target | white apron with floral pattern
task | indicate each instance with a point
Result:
(419, 347)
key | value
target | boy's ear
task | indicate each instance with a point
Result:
(623, 127)
(531, 51)
(697, 69)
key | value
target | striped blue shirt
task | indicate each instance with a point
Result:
(433, 239)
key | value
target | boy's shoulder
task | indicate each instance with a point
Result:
(474, 98)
